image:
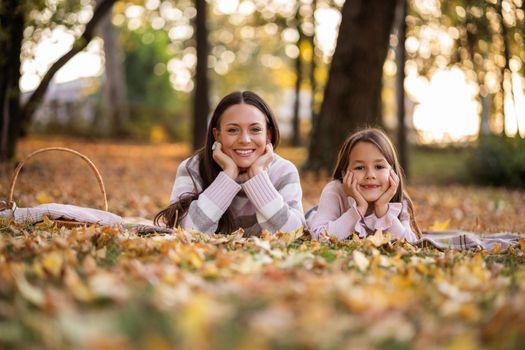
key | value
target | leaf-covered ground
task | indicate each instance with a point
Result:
(106, 288)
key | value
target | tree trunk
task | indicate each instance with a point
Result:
(16, 117)
(484, 125)
(80, 44)
(13, 21)
(115, 106)
(402, 145)
(201, 100)
(296, 126)
(505, 70)
(354, 81)
(313, 65)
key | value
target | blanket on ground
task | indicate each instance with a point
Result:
(451, 239)
(459, 240)
(68, 212)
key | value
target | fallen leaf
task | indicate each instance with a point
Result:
(440, 226)
(360, 260)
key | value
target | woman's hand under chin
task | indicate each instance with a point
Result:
(263, 162)
(225, 162)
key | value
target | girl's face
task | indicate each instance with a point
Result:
(243, 133)
(371, 170)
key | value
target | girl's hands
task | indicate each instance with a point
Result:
(351, 190)
(381, 205)
(263, 162)
(225, 162)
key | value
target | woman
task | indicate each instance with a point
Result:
(236, 180)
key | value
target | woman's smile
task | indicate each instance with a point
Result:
(245, 152)
(243, 134)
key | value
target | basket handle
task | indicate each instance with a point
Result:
(62, 149)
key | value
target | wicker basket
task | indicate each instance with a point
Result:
(10, 201)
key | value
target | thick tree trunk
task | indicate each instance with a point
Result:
(355, 78)
(15, 116)
(13, 21)
(402, 144)
(201, 100)
(115, 97)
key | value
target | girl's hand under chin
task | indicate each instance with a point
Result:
(381, 205)
(351, 190)
(225, 162)
(263, 162)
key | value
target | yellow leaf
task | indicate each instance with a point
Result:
(463, 342)
(195, 259)
(522, 244)
(43, 198)
(496, 249)
(52, 263)
(110, 230)
(422, 268)
(46, 223)
(469, 311)
(76, 286)
(378, 239)
(440, 226)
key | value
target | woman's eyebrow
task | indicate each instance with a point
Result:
(374, 161)
(237, 124)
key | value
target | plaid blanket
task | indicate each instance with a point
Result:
(82, 215)
(450, 239)
(459, 240)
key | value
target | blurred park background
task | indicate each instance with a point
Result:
(131, 84)
(444, 78)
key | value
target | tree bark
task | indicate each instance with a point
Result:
(116, 110)
(16, 117)
(313, 64)
(296, 126)
(13, 22)
(201, 100)
(402, 144)
(355, 78)
(505, 70)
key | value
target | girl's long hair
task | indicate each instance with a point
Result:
(208, 167)
(385, 146)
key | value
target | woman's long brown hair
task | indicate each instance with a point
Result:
(208, 167)
(385, 146)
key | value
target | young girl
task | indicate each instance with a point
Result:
(236, 180)
(367, 192)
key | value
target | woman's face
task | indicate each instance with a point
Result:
(371, 169)
(243, 133)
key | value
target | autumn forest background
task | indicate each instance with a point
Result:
(131, 85)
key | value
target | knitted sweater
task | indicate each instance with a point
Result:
(337, 215)
(270, 200)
